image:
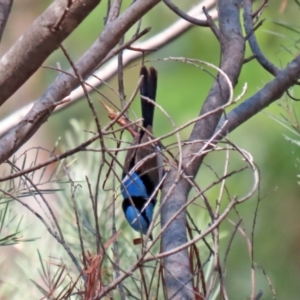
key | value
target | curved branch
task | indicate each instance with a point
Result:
(185, 16)
(265, 63)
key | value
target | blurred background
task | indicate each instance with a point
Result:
(181, 91)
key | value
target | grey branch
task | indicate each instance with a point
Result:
(248, 19)
(268, 94)
(5, 7)
(178, 275)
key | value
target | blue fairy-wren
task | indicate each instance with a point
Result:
(143, 165)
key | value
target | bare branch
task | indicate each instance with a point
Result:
(266, 64)
(114, 11)
(185, 16)
(40, 40)
(260, 9)
(5, 7)
(211, 23)
(232, 46)
(64, 83)
(268, 94)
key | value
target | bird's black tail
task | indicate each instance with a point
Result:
(148, 89)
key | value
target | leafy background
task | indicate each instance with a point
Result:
(181, 91)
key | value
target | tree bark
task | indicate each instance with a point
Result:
(178, 276)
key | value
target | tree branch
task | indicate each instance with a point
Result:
(38, 42)
(175, 190)
(64, 83)
(268, 94)
(5, 8)
(250, 31)
(185, 16)
(105, 73)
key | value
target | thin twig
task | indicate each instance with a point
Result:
(185, 16)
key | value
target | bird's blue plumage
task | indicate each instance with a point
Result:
(139, 218)
(133, 186)
(140, 214)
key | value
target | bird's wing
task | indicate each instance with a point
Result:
(150, 168)
(130, 158)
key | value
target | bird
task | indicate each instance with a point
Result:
(143, 166)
